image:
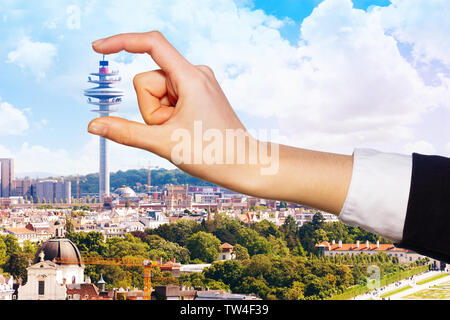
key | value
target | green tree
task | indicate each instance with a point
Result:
(160, 248)
(128, 246)
(69, 226)
(30, 247)
(255, 286)
(266, 228)
(3, 251)
(254, 243)
(230, 272)
(278, 246)
(241, 252)
(177, 232)
(88, 241)
(203, 246)
(12, 245)
(259, 266)
(296, 292)
(290, 231)
(17, 265)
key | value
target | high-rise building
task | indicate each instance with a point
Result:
(45, 190)
(6, 177)
(22, 188)
(53, 190)
(63, 191)
(105, 95)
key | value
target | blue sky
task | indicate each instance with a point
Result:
(386, 56)
(297, 10)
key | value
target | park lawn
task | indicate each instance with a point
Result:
(390, 293)
(444, 284)
(432, 278)
(430, 294)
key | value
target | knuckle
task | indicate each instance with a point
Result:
(137, 80)
(205, 81)
(156, 35)
(206, 69)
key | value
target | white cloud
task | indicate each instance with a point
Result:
(345, 84)
(346, 81)
(38, 158)
(420, 146)
(5, 152)
(12, 120)
(34, 56)
(424, 24)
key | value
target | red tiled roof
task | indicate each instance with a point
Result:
(362, 247)
(226, 245)
(84, 289)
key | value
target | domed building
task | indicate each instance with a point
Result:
(125, 192)
(47, 278)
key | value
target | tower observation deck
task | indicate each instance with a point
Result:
(103, 96)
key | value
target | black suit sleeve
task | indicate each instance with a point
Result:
(427, 223)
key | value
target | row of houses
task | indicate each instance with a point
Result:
(404, 256)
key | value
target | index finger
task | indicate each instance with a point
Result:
(153, 43)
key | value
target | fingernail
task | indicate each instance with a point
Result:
(97, 42)
(97, 129)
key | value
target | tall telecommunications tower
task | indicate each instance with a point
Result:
(104, 96)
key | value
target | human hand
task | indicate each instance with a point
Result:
(183, 107)
(173, 101)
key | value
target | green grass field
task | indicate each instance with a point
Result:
(430, 294)
(445, 285)
(390, 293)
(437, 292)
(432, 278)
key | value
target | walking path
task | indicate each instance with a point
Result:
(416, 288)
(412, 281)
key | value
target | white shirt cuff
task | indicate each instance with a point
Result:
(378, 195)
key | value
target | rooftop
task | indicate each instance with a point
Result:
(18, 230)
(362, 247)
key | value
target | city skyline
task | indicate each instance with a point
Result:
(389, 90)
(223, 214)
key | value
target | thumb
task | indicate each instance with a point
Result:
(129, 133)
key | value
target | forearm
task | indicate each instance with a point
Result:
(316, 179)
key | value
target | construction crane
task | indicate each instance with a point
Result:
(149, 182)
(78, 185)
(128, 262)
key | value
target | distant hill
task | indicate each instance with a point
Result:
(35, 175)
(136, 179)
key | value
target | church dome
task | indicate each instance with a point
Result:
(125, 192)
(59, 248)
